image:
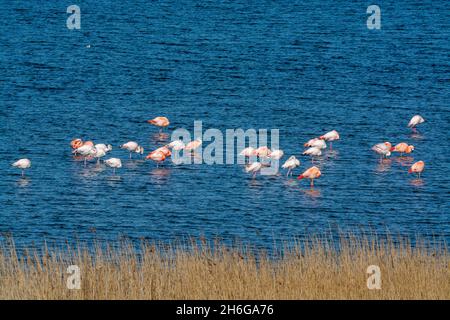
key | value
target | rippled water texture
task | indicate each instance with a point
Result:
(304, 67)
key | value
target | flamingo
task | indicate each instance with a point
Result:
(176, 145)
(86, 150)
(114, 163)
(76, 143)
(330, 137)
(262, 152)
(160, 122)
(312, 173)
(402, 147)
(253, 168)
(191, 146)
(157, 156)
(417, 168)
(291, 164)
(313, 152)
(132, 146)
(416, 120)
(383, 149)
(22, 164)
(104, 147)
(276, 154)
(99, 154)
(316, 143)
(165, 151)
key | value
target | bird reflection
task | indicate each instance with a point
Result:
(160, 137)
(417, 182)
(23, 181)
(384, 165)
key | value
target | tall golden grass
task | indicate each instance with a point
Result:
(316, 268)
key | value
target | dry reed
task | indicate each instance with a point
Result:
(316, 268)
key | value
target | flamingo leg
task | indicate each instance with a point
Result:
(23, 173)
(312, 183)
(331, 146)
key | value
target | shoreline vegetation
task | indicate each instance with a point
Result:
(312, 268)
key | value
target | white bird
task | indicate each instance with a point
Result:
(313, 152)
(417, 119)
(132, 146)
(330, 136)
(247, 153)
(104, 147)
(86, 151)
(22, 164)
(276, 154)
(383, 149)
(176, 145)
(291, 164)
(253, 168)
(316, 143)
(113, 163)
(99, 154)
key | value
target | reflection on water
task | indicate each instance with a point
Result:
(160, 175)
(113, 179)
(132, 164)
(416, 136)
(24, 181)
(159, 138)
(417, 182)
(384, 165)
(405, 161)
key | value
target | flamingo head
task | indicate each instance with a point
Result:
(76, 143)
(300, 177)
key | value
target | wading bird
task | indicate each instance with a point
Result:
(192, 145)
(291, 164)
(417, 168)
(383, 149)
(330, 137)
(157, 156)
(276, 154)
(76, 143)
(247, 152)
(99, 154)
(176, 145)
(22, 164)
(313, 152)
(253, 168)
(402, 147)
(86, 150)
(262, 152)
(160, 122)
(312, 173)
(104, 147)
(114, 163)
(132, 146)
(416, 120)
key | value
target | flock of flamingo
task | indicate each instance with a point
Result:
(88, 150)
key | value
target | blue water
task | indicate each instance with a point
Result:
(304, 67)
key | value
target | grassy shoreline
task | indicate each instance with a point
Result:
(316, 268)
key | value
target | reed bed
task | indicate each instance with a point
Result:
(313, 268)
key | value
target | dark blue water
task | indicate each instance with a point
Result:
(304, 67)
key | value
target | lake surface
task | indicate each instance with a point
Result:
(303, 67)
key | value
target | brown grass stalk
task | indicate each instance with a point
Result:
(316, 268)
